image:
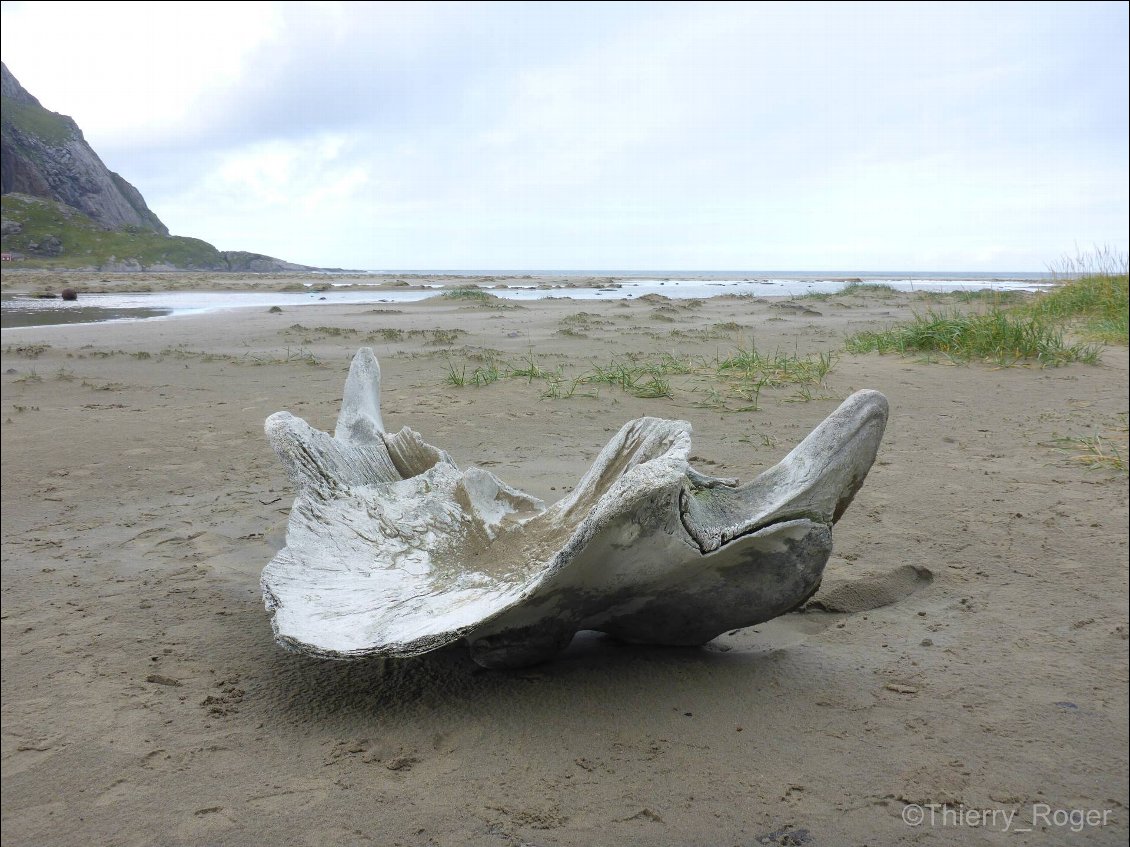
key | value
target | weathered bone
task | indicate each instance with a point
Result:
(391, 550)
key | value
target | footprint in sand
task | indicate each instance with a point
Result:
(120, 790)
(30, 754)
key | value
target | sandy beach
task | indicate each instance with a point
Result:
(967, 654)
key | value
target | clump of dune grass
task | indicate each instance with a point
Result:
(492, 370)
(858, 286)
(993, 336)
(985, 296)
(853, 286)
(478, 298)
(530, 370)
(641, 377)
(777, 368)
(1104, 451)
(469, 293)
(1095, 452)
(28, 351)
(300, 355)
(1088, 301)
(1090, 297)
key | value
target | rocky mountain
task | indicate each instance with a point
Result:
(64, 208)
(45, 155)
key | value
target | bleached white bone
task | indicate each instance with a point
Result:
(391, 550)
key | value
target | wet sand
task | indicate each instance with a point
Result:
(97, 282)
(976, 654)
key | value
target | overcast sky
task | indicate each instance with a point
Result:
(931, 136)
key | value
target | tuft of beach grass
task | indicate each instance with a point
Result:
(1091, 297)
(733, 382)
(994, 336)
(1089, 301)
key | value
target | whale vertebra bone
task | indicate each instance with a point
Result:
(392, 550)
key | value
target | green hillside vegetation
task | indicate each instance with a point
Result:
(38, 122)
(83, 243)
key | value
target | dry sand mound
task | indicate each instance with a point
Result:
(870, 592)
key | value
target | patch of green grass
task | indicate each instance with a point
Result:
(530, 370)
(458, 378)
(1095, 305)
(639, 377)
(468, 293)
(987, 296)
(28, 351)
(747, 371)
(1095, 452)
(83, 243)
(855, 286)
(578, 319)
(559, 389)
(478, 298)
(864, 288)
(486, 374)
(105, 386)
(652, 388)
(995, 336)
(806, 394)
(438, 337)
(734, 383)
(288, 356)
(716, 332)
(490, 371)
(1090, 300)
(750, 364)
(1106, 451)
(733, 398)
(38, 122)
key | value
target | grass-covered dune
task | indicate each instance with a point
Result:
(1068, 323)
(1094, 304)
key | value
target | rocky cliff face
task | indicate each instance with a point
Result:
(63, 208)
(45, 155)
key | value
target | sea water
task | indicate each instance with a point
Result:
(21, 311)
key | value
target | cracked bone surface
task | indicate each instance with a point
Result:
(392, 550)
